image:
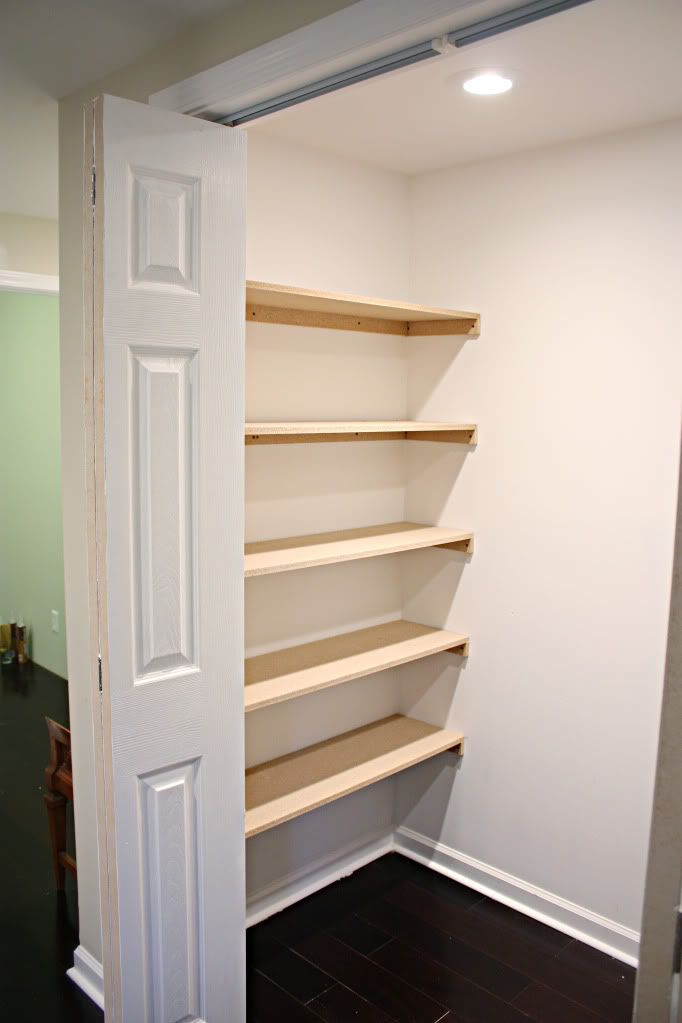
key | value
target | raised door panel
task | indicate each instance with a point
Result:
(169, 244)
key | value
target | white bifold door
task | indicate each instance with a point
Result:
(164, 318)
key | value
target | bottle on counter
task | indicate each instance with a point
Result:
(5, 635)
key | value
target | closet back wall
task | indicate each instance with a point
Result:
(317, 221)
(572, 255)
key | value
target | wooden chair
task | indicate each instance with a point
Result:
(59, 785)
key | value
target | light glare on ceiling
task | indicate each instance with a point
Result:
(487, 83)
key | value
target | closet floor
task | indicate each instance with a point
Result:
(393, 943)
(398, 943)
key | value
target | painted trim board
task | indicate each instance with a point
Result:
(566, 917)
(87, 974)
(285, 891)
(36, 284)
(563, 915)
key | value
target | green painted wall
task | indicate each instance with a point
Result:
(31, 552)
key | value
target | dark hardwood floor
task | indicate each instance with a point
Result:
(398, 943)
(38, 926)
(393, 943)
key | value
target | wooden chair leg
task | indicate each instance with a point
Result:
(56, 816)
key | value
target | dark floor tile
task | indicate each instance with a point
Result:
(543, 1004)
(40, 924)
(340, 1005)
(470, 1003)
(496, 977)
(573, 981)
(376, 985)
(606, 966)
(360, 934)
(325, 909)
(584, 987)
(268, 1003)
(443, 886)
(295, 975)
(548, 938)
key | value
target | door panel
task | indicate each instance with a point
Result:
(168, 326)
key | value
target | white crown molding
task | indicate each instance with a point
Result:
(356, 34)
(86, 973)
(37, 284)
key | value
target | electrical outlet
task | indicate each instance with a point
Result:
(55, 621)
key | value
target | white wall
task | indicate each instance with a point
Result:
(29, 244)
(573, 256)
(320, 222)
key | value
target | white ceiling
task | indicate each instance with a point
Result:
(601, 67)
(49, 48)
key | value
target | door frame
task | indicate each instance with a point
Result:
(361, 32)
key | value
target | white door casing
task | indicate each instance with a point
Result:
(166, 303)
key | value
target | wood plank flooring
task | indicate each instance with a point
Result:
(393, 943)
(398, 943)
(39, 924)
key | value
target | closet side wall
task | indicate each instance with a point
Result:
(321, 222)
(573, 257)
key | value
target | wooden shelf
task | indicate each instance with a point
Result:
(311, 432)
(275, 303)
(291, 553)
(281, 789)
(296, 670)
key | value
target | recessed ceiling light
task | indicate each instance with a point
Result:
(487, 83)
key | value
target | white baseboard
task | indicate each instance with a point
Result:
(568, 917)
(598, 931)
(289, 889)
(86, 973)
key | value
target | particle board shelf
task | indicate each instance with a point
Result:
(375, 429)
(291, 672)
(282, 789)
(290, 553)
(275, 303)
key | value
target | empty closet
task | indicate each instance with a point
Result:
(389, 529)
